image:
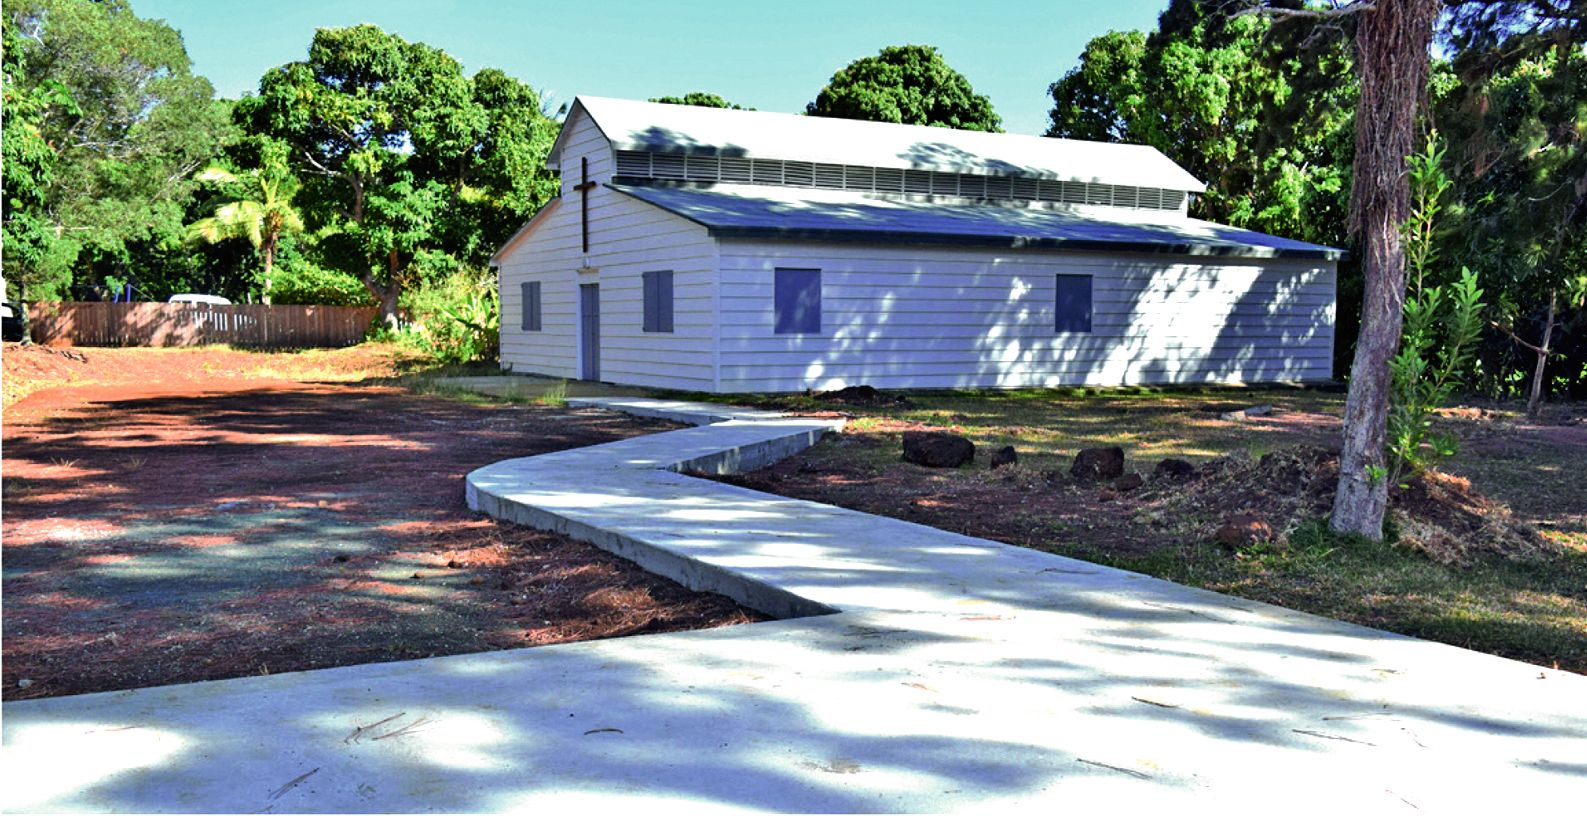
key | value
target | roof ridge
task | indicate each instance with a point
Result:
(661, 127)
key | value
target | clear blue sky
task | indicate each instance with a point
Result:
(768, 55)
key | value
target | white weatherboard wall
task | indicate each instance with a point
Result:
(931, 317)
(627, 238)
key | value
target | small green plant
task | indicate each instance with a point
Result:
(555, 396)
(1314, 541)
(1441, 327)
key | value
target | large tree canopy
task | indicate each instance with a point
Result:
(27, 162)
(908, 84)
(112, 98)
(405, 158)
(1242, 106)
(1514, 110)
(699, 99)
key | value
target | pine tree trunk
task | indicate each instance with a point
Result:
(1534, 402)
(1392, 55)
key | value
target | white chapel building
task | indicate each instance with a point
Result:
(717, 250)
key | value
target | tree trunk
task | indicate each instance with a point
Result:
(1392, 55)
(388, 306)
(387, 294)
(21, 307)
(269, 262)
(1534, 402)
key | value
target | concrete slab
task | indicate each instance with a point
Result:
(935, 672)
(530, 386)
(687, 413)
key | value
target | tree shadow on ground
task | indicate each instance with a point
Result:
(170, 539)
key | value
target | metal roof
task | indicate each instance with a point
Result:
(631, 125)
(743, 211)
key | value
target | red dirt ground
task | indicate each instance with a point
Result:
(183, 529)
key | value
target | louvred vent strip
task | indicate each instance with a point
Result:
(788, 173)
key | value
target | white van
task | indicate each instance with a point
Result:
(212, 300)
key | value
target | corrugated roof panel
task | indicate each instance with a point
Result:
(745, 211)
(649, 126)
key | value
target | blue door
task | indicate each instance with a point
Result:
(590, 330)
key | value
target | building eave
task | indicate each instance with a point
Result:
(524, 231)
(1020, 242)
(1175, 245)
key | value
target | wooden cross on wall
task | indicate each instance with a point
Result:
(584, 189)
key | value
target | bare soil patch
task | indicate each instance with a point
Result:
(32, 368)
(179, 527)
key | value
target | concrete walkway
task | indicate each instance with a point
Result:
(933, 672)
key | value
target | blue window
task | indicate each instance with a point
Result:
(798, 301)
(658, 301)
(531, 305)
(1073, 306)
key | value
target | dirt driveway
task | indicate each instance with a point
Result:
(157, 534)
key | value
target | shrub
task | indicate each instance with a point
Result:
(455, 318)
(300, 280)
(1441, 326)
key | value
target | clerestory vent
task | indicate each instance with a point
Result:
(668, 166)
(734, 171)
(777, 172)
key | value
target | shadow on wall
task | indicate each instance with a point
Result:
(1154, 322)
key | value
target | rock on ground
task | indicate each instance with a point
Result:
(1246, 413)
(937, 449)
(862, 395)
(1098, 464)
(1174, 470)
(1242, 530)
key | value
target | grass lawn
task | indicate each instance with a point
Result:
(1533, 610)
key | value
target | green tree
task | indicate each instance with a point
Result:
(1392, 40)
(908, 84)
(504, 180)
(402, 154)
(259, 209)
(1105, 97)
(26, 163)
(1256, 112)
(1517, 118)
(699, 99)
(125, 149)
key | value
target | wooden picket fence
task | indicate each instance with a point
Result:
(193, 324)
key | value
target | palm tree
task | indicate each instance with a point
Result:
(261, 212)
